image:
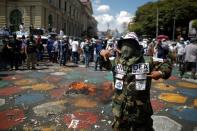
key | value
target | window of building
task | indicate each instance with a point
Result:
(50, 1)
(50, 20)
(76, 15)
(65, 6)
(65, 28)
(70, 10)
(15, 19)
(73, 13)
(59, 4)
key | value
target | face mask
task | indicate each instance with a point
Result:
(127, 51)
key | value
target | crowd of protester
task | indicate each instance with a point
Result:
(29, 51)
(62, 49)
(183, 54)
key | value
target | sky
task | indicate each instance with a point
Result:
(113, 13)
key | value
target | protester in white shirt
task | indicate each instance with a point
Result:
(55, 51)
(191, 58)
(22, 27)
(74, 47)
(180, 48)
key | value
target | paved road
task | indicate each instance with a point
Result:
(78, 98)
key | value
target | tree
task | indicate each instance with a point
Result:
(180, 11)
(136, 27)
(194, 24)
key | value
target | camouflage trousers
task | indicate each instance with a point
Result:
(124, 125)
(130, 113)
(31, 59)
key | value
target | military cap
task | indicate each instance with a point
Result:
(131, 38)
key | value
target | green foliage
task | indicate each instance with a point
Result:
(194, 24)
(182, 11)
(136, 27)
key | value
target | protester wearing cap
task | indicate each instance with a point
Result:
(132, 75)
(180, 48)
(190, 58)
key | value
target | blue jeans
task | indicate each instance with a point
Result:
(75, 57)
(97, 61)
(63, 58)
(87, 59)
(40, 56)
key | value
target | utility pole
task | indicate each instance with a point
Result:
(174, 28)
(157, 22)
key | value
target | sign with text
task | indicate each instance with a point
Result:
(140, 68)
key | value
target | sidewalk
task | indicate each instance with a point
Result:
(186, 76)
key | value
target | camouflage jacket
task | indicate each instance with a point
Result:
(132, 104)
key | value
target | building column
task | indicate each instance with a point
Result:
(37, 14)
(3, 13)
(26, 18)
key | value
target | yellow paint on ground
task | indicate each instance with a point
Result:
(43, 86)
(84, 102)
(45, 109)
(160, 80)
(61, 102)
(24, 82)
(195, 102)
(51, 128)
(165, 87)
(186, 85)
(171, 97)
(65, 69)
(26, 87)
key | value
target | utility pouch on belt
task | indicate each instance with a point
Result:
(140, 70)
(119, 77)
(117, 105)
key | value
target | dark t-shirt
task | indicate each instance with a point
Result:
(87, 48)
(31, 46)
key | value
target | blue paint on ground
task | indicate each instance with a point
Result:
(37, 75)
(109, 76)
(188, 92)
(3, 84)
(94, 79)
(28, 99)
(185, 114)
(75, 75)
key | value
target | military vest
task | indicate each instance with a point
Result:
(132, 89)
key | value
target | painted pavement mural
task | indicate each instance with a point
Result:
(66, 98)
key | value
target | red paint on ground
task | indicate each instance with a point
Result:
(86, 119)
(53, 79)
(91, 88)
(173, 78)
(10, 91)
(157, 105)
(12, 77)
(10, 118)
(57, 93)
(107, 91)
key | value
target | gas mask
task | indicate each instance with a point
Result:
(128, 50)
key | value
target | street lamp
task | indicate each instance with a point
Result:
(157, 23)
(174, 26)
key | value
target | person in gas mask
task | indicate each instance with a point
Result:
(132, 74)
